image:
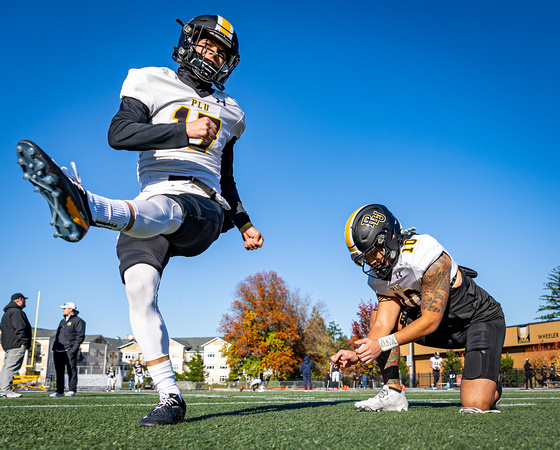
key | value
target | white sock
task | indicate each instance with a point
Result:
(164, 378)
(148, 326)
(107, 213)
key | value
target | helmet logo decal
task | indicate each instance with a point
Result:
(224, 27)
(373, 219)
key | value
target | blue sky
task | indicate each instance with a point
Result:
(447, 112)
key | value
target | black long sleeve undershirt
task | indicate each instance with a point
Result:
(131, 130)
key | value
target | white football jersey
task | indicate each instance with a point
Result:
(170, 100)
(436, 362)
(417, 254)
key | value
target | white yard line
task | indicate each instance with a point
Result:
(504, 402)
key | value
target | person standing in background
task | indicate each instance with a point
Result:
(70, 334)
(528, 368)
(305, 370)
(16, 339)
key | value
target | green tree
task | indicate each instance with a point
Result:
(552, 299)
(452, 359)
(318, 341)
(509, 377)
(506, 362)
(338, 338)
(196, 369)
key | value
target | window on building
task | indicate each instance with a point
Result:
(211, 355)
(210, 367)
(224, 367)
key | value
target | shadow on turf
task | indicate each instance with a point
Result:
(436, 405)
(268, 408)
(276, 408)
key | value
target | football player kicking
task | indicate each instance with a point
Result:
(424, 297)
(184, 132)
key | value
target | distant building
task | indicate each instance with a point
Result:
(97, 353)
(211, 351)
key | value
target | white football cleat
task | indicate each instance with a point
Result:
(386, 400)
(473, 410)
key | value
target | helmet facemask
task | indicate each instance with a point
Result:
(382, 258)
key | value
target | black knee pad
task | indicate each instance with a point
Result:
(483, 352)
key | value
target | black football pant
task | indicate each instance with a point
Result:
(436, 377)
(66, 361)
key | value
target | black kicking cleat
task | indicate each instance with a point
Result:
(65, 195)
(170, 409)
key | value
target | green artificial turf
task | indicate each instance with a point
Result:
(279, 419)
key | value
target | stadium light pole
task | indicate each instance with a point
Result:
(105, 361)
(411, 364)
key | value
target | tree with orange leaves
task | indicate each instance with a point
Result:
(264, 329)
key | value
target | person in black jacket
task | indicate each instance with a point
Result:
(528, 368)
(16, 339)
(543, 375)
(70, 334)
(552, 377)
(305, 370)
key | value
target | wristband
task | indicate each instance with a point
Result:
(388, 342)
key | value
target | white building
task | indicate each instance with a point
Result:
(211, 351)
(182, 350)
(97, 353)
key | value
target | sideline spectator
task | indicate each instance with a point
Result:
(70, 334)
(16, 339)
(305, 370)
(528, 368)
(552, 377)
(452, 377)
(364, 381)
(543, 374)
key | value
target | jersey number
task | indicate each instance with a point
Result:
(408, 245)
(181, 115)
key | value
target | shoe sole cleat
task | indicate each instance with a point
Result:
(69, 213)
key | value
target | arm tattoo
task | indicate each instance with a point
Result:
(435, 285)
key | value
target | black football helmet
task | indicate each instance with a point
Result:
(211, 27)
(373, 227)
